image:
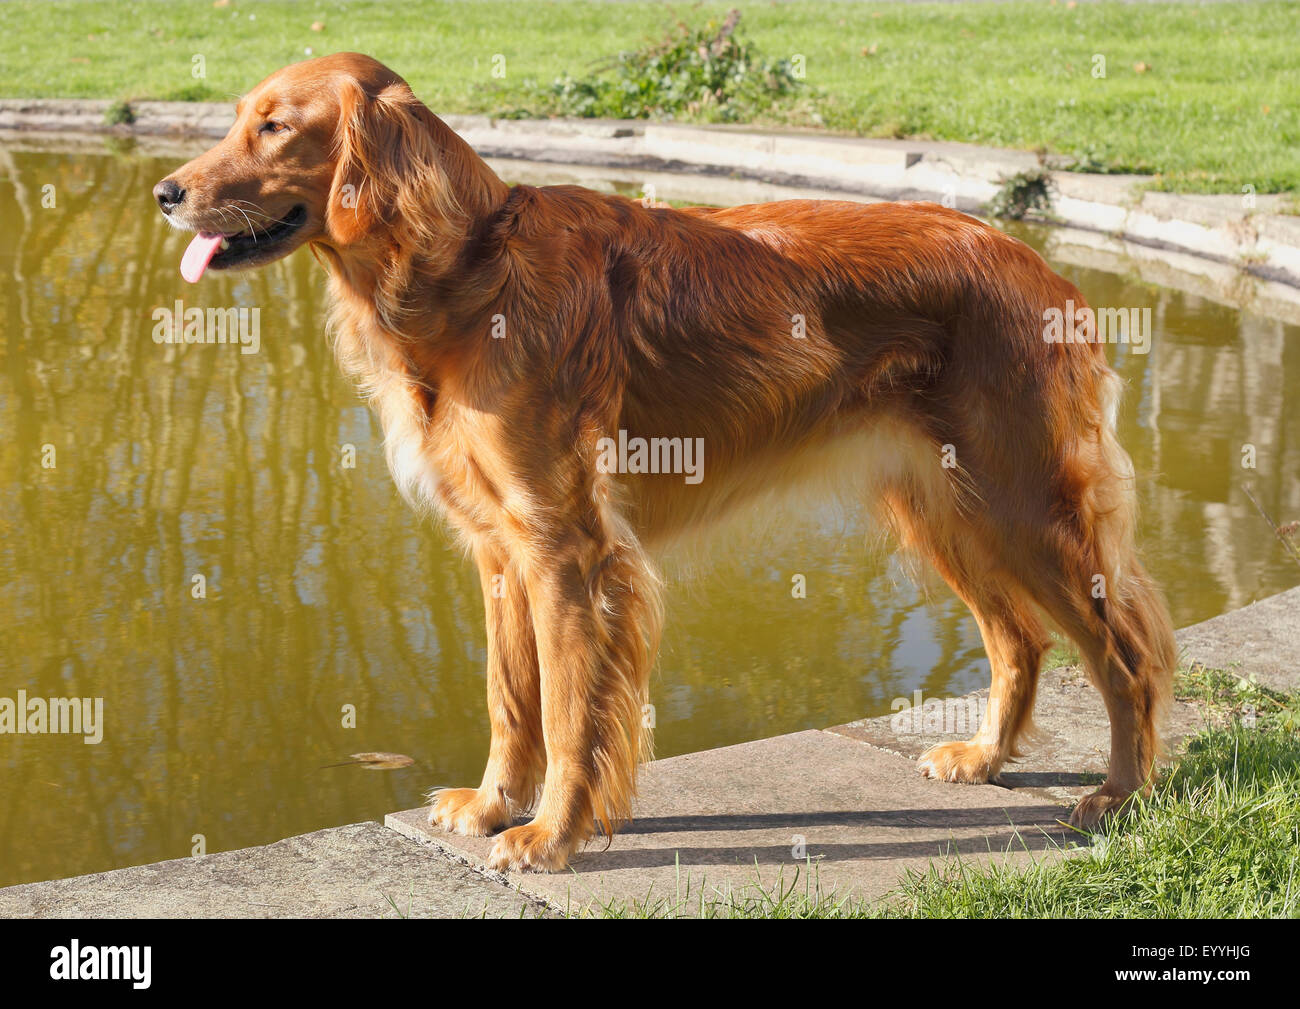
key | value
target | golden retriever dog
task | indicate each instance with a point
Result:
(510, 337)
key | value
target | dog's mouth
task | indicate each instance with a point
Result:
(256, 245)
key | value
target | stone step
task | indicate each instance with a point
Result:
(357, 871)
(756, 813)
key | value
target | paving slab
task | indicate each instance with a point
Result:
(357, 871)
(747, 815)
(1066, 759)
(1260, 640)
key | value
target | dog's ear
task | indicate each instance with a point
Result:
(389, 174)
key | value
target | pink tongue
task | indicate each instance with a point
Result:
(199, 255)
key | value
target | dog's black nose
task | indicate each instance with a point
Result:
(168, 195)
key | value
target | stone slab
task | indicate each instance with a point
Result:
(1260, 640)
(1067, 758)
(733, 818)
(357, 871)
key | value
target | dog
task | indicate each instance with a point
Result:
(508, 336)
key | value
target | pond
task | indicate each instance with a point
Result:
(208, 540)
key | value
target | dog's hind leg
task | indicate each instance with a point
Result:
(1055, 522)
(1014, 640)
(1109, 606)
(1014, 637)
(517, 759)
(1101, 596)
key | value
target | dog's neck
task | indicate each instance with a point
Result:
(437, 207)
(403, 296)
(403, 280)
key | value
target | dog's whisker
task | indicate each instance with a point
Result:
(249, 221)
(256, 211)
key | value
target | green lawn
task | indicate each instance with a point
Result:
(1217, 108)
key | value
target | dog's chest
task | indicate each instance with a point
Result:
(400, 403)
(442, 455)
(438, 460)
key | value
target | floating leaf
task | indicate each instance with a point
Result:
(377, 761)
(383, 761)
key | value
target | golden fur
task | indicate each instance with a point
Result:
(502, 332)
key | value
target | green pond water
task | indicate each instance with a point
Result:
(128, 467)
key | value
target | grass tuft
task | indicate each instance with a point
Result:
(708, 74)
(1220, 838)
(1022, 194)
(119, 113)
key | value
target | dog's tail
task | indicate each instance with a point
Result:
(1108, 603)
(1139, 633)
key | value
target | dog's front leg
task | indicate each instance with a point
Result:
(566, 630)
(595, 617)
(516, 760)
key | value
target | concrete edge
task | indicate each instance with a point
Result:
(394, 823)
(1247, 231)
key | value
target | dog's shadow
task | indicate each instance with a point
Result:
(1030, 828)
(1048, 779)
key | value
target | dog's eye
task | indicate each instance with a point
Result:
(271, 126)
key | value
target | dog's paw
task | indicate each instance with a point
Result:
(530, 847)
(969, 763)
(1094, 812)
(466, 811)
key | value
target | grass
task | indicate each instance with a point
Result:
(1226, 695)
(1203, 97)
(795, 893)
(1064, 652)
(1219, 838)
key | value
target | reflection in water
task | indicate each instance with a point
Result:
(325, 596)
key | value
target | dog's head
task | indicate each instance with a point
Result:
(324, 151)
